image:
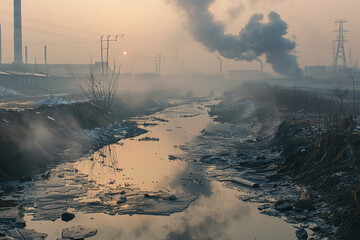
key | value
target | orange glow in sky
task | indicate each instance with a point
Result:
(72, 29)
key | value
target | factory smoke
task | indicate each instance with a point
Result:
(254, 40)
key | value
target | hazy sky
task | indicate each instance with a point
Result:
(71, 29)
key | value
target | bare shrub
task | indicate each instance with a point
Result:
(341, 94)
(100, 90)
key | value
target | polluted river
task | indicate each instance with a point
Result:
(151, 186)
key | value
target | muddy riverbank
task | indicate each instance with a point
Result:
(248, 156)
(34, 138)
(131, 190)
(328, 167)
(306, 163)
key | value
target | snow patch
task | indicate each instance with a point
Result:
(5, 92)
(51, 101)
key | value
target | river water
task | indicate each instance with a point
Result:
(203, 209)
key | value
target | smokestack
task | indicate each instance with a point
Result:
(0, 47)
(45, 54)
(17, 33)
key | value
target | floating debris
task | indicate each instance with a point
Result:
(78, 232)
(67, 217)
(243, 182)
(149, 139)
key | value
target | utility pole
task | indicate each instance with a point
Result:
(340, 52)
(158, 58)
(26, 55)
(45, 55)
(107, 50)
(221, 67)
(156, 64)
(102, 53)
(35, 65)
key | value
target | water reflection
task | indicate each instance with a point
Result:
(193, 181)
(144, 166)
(107, 157)
(210, 223)
(218, 216)
(143, 161)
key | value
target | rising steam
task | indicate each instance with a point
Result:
(256, 39)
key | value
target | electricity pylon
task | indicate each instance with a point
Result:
(340, 52)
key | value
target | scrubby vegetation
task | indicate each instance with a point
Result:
(319, 141)
(321, 150)
(100, 90)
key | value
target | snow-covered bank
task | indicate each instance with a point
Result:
(5, 92)
(50, 101)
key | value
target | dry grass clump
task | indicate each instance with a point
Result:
(100, 90)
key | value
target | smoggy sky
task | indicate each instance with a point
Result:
(71, 29)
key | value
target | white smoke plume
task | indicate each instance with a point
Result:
(254, 40)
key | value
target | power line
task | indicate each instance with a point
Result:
(46, 32)
(25, 17)
(107, 48)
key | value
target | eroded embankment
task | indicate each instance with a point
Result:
(320, 152)
(32, 139)
(35, 138)
(328, 166)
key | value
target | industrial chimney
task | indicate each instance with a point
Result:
(0, 47)
(17, 33)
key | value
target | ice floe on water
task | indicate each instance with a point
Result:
(68, 188)
(78, 232)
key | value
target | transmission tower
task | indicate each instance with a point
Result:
(340, 50)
